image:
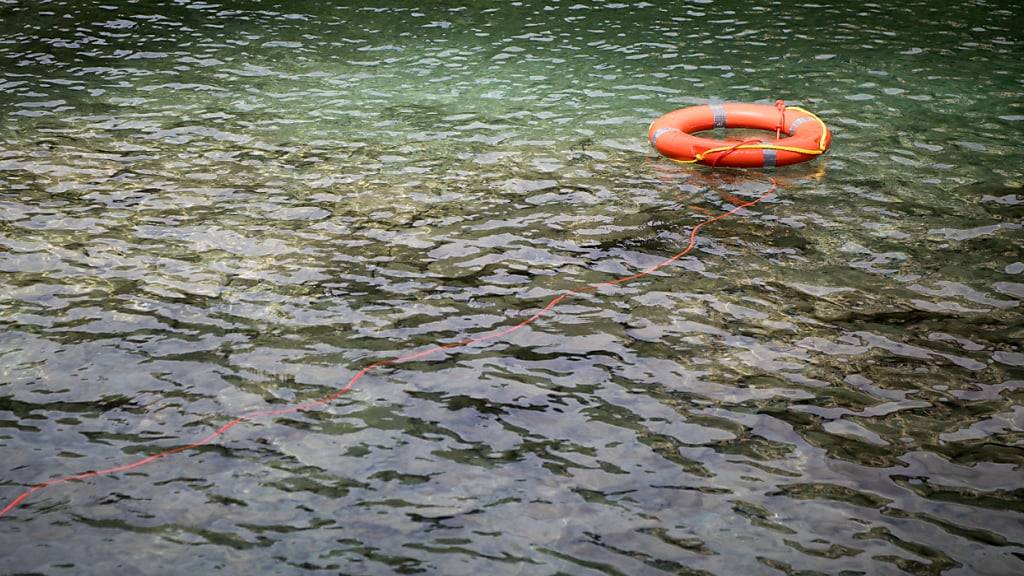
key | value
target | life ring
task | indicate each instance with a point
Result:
(807, 137)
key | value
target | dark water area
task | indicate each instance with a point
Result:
(208, 209)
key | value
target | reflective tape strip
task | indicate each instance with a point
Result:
(769, 158)
(658, 133)
(719, 111)
(797, 123)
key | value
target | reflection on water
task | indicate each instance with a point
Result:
(208, 209)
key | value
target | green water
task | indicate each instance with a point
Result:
(210, 209)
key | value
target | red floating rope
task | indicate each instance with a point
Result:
(780, 105)
(324, 401)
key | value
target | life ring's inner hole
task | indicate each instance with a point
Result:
(738, 134)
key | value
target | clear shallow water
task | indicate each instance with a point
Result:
(207, 209)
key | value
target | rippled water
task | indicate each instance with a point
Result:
(209, 209)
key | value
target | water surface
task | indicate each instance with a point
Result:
(208, 209)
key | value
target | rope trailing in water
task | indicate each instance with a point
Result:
(326, 400)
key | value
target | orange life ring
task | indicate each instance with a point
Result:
(807, 137)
